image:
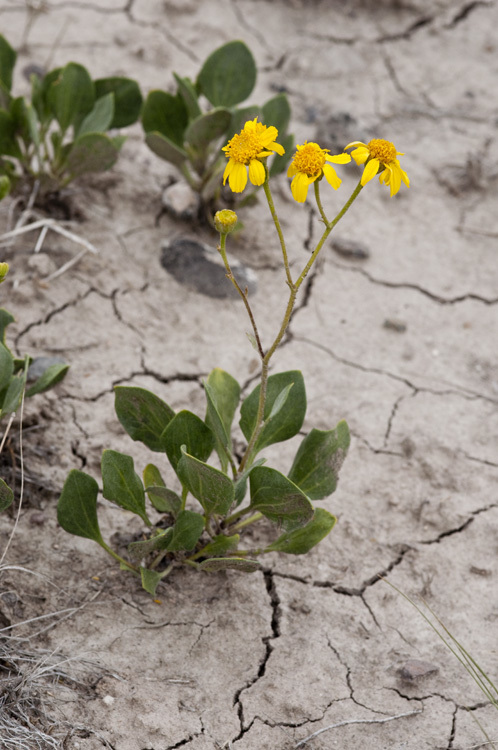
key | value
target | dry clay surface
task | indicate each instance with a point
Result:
(316, 642)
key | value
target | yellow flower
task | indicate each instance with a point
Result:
(379, 155)
(309, 164)
(254, 142)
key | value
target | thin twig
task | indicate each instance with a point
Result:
(21, 495)
(356, 721)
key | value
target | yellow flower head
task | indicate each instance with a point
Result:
(254, 142)
(380, 156)
(309, 164)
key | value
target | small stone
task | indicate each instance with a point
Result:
(350, 249)
(394, 324)
(200, 267)
(181, 201)
(37, 519)
(42, 264)
(416, 669)
(108, 700)
(408, 447)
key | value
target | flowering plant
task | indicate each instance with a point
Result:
(206, 532)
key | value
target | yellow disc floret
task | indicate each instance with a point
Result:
(310, 164)
(310, 159)
(384, 151)
(246, 149)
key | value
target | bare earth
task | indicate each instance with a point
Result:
(264, 661)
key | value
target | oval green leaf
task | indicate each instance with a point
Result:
(279, 499)
(143, 415)
(121, 484)
(186, 531)
(7, 62)
(72, 96)
(77, 506)
(300, 541)
(165, 149)
(50, 377)
(100, 118)
(92, 152)
(207, 128)
(228, 76)
(211, 487)
(187, 429)
(127, 99)
(287, 421)
(318, 461)
(165, 114)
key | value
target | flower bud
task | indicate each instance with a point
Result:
(4, 269)
(225, 221)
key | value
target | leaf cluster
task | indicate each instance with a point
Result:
(13, 377)
(187, 128)
(62, 130)
(226, 498)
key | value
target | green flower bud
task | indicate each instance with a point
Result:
(4, 270)
(225, 221)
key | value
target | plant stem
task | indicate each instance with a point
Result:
(328, 230)
(319, 202)
(243, 294)
(115, 555)
(293, 287)
(235, 516)
(247, 522)
(271, 205)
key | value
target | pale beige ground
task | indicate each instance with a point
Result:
(264, 661)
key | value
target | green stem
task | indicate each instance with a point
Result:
(271, 205)
(319, 202)
(117, 557)
(235, 516)
(243, 294)
(247, 522)
(328, 230)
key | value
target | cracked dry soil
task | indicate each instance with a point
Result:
(402, 344)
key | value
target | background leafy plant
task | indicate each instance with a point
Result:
(62, 130)
(179, 131)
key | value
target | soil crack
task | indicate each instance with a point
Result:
(267, 640)
(415, 287)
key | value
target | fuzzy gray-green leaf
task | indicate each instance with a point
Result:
(121, 484)
(279, 499)
(189, 430)
(318, 461)
(288, 421)
(300, 541)
(77, 507)
(186, 531)
(211, 487)
(228, 75)
(143, 415)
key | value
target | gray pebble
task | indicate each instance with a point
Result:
(416, 669)
(200, 267)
